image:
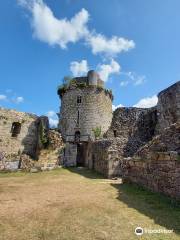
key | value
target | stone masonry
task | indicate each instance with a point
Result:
(23, 142)
(85, 107)
(143, 145)
(24, 138)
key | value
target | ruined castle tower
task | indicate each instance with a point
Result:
(86, 108)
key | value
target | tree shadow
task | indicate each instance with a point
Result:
(87, 173)
(163, 210)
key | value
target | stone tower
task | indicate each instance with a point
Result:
(86, 107)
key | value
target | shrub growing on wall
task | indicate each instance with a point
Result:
(97, 132)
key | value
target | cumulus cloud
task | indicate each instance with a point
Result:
(49, 29)
(114, 107)
(105, 70)
(3, 97)
(100, 44)
(54, 31)
(53, 119)
(147, 102)
(79, 68)
(51, 114)
(53, 122)
(19, 100)
(10, 98)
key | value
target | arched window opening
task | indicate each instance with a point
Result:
(15, 129)
(79, 99)
(77, 136)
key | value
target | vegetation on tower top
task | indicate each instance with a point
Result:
(69, 82)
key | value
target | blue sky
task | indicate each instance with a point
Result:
(134, 45)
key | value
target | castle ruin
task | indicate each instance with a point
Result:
(138, 144)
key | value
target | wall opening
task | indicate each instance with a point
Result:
(79, 99)
(77, 136)
(81, 154)
(115, 133)
(78, 119)
(15, 129)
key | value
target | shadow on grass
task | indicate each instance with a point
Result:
(85, 172)
(163, 210)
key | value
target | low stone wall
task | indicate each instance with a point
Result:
(157, 164)
(159, 173)
(105, 157)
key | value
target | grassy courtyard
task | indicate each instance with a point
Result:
(79, 204)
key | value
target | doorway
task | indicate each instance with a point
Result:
(80, 157)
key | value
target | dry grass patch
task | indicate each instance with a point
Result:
(79, 205)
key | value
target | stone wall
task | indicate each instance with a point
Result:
(31, 144)
(132, 128)
(105, 158)
(95, 110)
(157, 164)
(24, 142)
(51, 156)
(168, 107)
(143, 145)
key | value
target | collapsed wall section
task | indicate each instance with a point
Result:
(18, 134)
(27, 142)
(132, 128)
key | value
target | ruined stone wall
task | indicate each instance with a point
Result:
(157, 164)
(105, 157)
(25, 142)
(168, 107)
(51, 156)
(95, 110)
(132, 128)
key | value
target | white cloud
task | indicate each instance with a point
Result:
(3, 97)
(49, 29)
(139, 80)
(53, 122)
(53, 119)
(100, 44)
(124, 83)
(51, 114)
(19, 100)
(133, 78)
(105, 70)
(114, 107)
(79, 68)
(54, 31)
(147, 102)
